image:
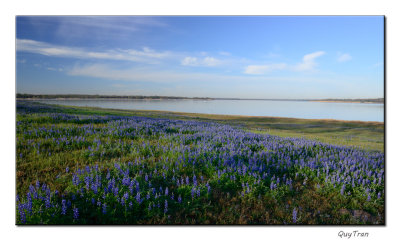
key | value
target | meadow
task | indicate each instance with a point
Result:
(102, 166)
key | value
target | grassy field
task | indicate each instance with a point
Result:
(365, 135)
(80, 165)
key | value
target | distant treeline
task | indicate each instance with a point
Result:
(137, 97)
(378, 100)
(88, 96)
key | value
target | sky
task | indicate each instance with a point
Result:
(271, 57)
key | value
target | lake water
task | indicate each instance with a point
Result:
(294, 109)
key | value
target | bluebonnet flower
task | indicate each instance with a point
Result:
(166, 191)
(126, 195)
(138, 197)
(342, 189)
(29, 203)
(294, 215)
(76, 213)
(63, 207)
(165, 206)
(115, 191)
(22, 215)
(179, 199)
(137, 186)
(193, 191)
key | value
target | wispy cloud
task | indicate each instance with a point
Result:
(95, 27)
(263, 69)
(194, 61)
(224, 53)
(343, 57)
(145, 55)
(134, 74)
(308, 63)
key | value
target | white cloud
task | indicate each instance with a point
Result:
(146, 55)
(308, 63)
(194, 61)
(167, 76)
(189, 61)
(96, 27)
(210, 61)
(262, 69)
(343, 57)
(224, 53)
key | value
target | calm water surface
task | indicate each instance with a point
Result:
(295, 109)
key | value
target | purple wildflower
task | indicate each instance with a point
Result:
(63, 207)
(342, 189)
(76, 213)
(193, 191)
(179, 199)
(165, 206)
(22, 215)
(138, 197)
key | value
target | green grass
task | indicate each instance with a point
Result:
(322, 205)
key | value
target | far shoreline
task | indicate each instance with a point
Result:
(346, 101)
(200, 99)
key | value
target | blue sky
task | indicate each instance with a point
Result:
(242, 57)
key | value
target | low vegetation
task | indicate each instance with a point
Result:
(101, 166)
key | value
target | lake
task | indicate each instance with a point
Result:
(294, 109)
